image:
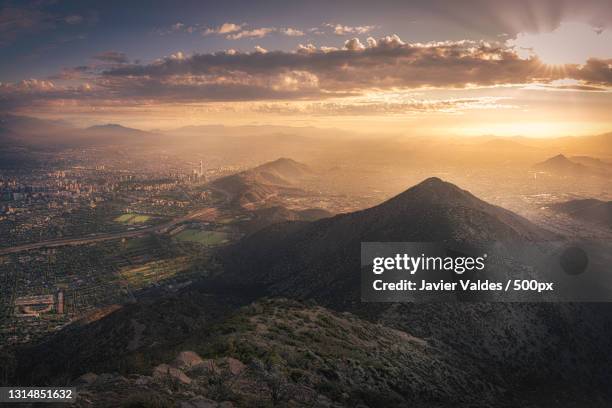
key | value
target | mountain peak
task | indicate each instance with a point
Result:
(559, 158)
(560, 163)
(434, 190)
(283, 160)
(433, 182)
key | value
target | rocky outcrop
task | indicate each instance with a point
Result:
(164, 371)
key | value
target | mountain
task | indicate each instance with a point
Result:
(592, 162)
(267, 216)
(331, 348)
(115, 134)
(295, 259)
(579, 166)
(35, 132)
(28, 131)
(254, 187)
(29, 125)
(586, 145)
(320, 261)
(561, 165)
(590, 210)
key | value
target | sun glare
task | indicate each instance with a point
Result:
(570, 43)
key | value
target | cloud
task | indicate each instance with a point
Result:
(255, 33)
(233, 31)
(397, 105)
(73, 73)
(225, 28)
(314, 73)
(114, 57)
(306, 49)
(340, 29)
(594, 72)
(354, 45)
(292, 32)
(384, 63)
(264, 31)
(36, 92)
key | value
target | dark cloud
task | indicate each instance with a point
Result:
(381, 64)
(309, 73)
(594, 72)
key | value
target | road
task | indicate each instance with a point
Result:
(108, 237)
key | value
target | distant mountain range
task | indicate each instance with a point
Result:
(303, 141)
(253, 187)
(590, 210)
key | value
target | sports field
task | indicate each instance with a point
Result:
(131, 219)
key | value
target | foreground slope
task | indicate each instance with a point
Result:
(284, 353)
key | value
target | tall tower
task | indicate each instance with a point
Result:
(60, 302)
(201, 168)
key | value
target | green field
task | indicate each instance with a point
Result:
(208, 238)
(143, 275)
(131, 219)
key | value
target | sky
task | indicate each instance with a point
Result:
(536, 68)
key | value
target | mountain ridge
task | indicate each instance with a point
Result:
(253, 187)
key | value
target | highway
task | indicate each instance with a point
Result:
(108, 237)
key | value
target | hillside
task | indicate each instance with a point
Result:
(267, 216)
(320, 261)
(284, 353)
(113, 133)
(253, 187)
(590, 210)
(296, 259)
